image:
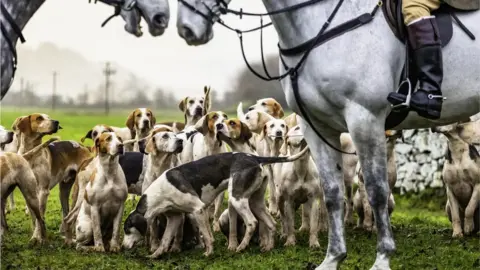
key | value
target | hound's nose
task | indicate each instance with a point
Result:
(278, 134)
(146, 122)
(219, 126)
(199, 110)
(120, 149)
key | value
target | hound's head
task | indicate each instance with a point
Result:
(468, 131)
(268, 105)
(163, 140)
(274, 130)
(294, 141)
(108, 143)
(196, 106)
(256, 120)
(233, 130)
(6, 137)
(37, 124)
(96, 131)
(207, 124)
(141, 119)
(134, 228)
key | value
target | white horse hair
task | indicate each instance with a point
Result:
(344, 85)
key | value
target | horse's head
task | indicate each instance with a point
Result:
(195, 19)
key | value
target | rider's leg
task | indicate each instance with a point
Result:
(423, 36)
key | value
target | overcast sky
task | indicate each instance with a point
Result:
(166, 60)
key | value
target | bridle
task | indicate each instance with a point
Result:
(323, 36)
(13, 51)
(119, 5)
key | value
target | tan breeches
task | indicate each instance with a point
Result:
(416, 9)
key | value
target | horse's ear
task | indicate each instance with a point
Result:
(87, 136)
(130, 121)
(245, 132)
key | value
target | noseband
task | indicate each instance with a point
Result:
(119, 5)
(17, 31)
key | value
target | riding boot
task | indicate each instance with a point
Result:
(424, 38)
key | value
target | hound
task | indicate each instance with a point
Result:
(250, 197)
(300, 184)
(461, 175)
(360, 200)
(273, 137)
(193, 109)
(224, 223)
(192, 187)
(268, 105)
(140, 121)
(101, 212)
(56, 164)
(470, 132)
(15, 171)
(12, 147)
(349, 165)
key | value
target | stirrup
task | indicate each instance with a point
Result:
(405, 104)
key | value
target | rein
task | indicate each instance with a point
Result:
(322, 37)
(119, 5)
(17, 31)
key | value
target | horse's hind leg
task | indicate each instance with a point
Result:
(328, 162)
(371, 148)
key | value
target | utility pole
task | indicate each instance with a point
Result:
(108, 71)
(54, 89)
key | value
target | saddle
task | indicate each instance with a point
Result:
(392, 11)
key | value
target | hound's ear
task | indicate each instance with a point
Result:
(278, 110)
(23, 125)
(150, 147)
(263, 118)
(284, 148)
(152, 118)
(202, 125)
(245, 132)
(263, 133)
(183, 104)
(175, 128)
(96, 149)
(130, 121)
(87, 136)
(208, 99)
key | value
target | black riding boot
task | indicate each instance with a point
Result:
(425, 41)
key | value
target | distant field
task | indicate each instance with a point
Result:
(421, 230)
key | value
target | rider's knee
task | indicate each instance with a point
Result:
(416, 9)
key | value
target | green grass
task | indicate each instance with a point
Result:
(421, 229)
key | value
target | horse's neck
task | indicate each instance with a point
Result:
(21, 12)
(296, 27)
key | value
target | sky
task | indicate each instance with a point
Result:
(166, 61)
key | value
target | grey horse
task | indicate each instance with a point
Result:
(15, 14)
(343, 87)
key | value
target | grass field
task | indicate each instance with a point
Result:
(421, 229)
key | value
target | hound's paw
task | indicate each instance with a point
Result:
(303, 228)
(216, 226)
(175, 249)
(368, 227)
(468, 227)
(36, 241)
(241, 248)
(114, 248)
(457, 234)
(208, 253)
(68, 242)
(266, 248)
(153, 256)
(232, 247)
(313, 243)
(99, 248)
(291, 241)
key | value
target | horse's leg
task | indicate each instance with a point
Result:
(370, 143)
(328, 162)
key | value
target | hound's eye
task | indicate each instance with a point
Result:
(282, 125)
(263, 103)
(191, 101)
(153, 138)
(148, 114)
(272, 125)
(138, 115)
(201, 101)
(165, 136)
(248, 117)
(215, 117)
(232, 123)
(40, 118)
(225, 116)
(108, 139)
(95, 134)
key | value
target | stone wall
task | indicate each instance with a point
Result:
(420, 160)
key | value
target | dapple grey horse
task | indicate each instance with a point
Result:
(343, 85)
(15, 15)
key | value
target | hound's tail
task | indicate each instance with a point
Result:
(269, 160)
(240, 114)
(37, 148)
